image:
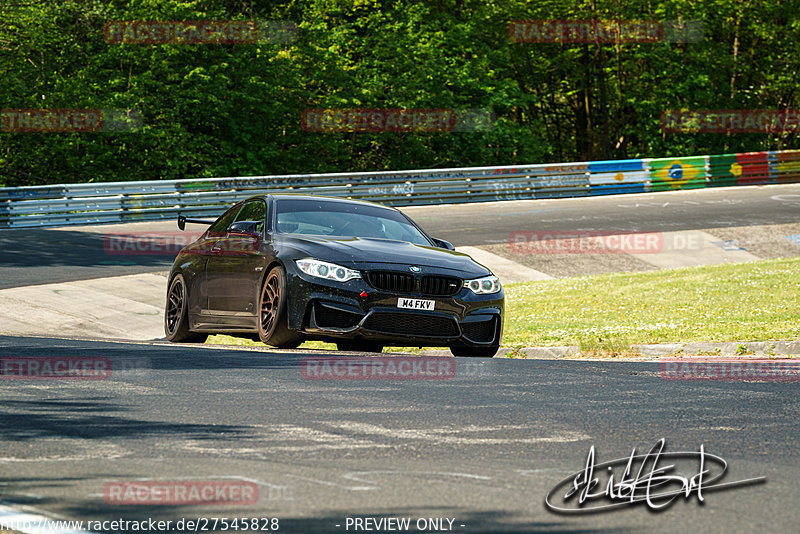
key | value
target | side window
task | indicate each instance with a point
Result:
(222, 224)
(254, 210)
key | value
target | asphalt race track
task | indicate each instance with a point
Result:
(35, 255)
(474, 224)
(482, 448)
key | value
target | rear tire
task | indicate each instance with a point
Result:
(273, 325)
(475, 352)
(176, 314)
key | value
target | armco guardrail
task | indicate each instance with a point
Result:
(111, 202)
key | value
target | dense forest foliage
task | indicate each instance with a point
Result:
(235, 109)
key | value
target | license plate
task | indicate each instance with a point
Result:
(415, 304)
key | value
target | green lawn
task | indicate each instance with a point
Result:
(756, 301)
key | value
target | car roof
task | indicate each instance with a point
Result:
(300, 196)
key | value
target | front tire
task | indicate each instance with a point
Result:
(176, 314)
(273, 327)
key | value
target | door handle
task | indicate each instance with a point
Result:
(216, 250)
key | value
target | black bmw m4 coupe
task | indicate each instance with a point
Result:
(290, 268)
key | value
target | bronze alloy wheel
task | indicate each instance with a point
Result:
(272, 325)
(270, 303)
(174, 306)
(176, 320)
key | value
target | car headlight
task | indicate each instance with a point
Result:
(328, 271)
(484, 286)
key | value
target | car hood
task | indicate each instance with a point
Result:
(364, 253)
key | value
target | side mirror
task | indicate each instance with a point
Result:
(245, 228)
(441, 243)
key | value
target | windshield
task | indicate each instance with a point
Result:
(341, 219)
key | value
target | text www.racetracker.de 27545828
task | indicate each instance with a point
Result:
(196, 524)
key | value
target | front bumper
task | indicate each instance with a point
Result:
(328, 310)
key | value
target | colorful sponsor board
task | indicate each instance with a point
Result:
(723, 170)
(677, 173)
(618, 176)
(749, 168)
(561, 180)
(785, 165)
(752, 168)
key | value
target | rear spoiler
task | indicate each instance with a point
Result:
(183, 220)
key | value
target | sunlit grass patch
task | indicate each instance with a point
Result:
(754, 301)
